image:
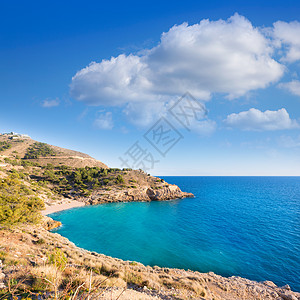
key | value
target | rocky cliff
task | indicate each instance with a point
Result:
(141, 193)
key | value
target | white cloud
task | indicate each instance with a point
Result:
(257, 120)
(292, 86)
(47, 103)
(288, 35)
(104, 121)
(145, 114)
(289, 142)
(204, 127)
(225, 56)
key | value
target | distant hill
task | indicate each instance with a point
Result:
(13, 146)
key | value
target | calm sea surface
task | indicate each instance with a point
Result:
(246, 226)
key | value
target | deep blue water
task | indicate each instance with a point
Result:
(246, 226)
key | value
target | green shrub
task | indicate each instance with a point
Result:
(120, 179)
(39, 150)
(4, 145)
(105, 181)
(26, 163)
(58, 258)
(13, 162)
(17, 203)
(40, 242)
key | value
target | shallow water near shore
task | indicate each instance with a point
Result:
(243, 226)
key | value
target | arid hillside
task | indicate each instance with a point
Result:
(17, 147)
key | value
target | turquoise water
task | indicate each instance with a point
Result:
(246, 226)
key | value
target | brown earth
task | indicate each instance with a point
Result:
(26, 249)
(63, 156)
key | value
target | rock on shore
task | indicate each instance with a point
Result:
(141, 193)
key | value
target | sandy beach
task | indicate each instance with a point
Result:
(59, 207)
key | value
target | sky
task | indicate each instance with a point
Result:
(172, 87)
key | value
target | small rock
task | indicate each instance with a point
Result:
(270, 283)
(286, 287)
(2, 276)
(274, 295)
(288, 297)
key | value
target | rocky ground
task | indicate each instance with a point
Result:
(24, 251)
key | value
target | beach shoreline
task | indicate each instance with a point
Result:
(60, 207)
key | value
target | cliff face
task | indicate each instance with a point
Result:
(141, 193)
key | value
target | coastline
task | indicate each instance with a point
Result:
(225, 287)
(133, 280)
(60, 207)
(145, 282)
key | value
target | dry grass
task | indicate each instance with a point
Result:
(28, 269)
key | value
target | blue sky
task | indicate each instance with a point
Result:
(95, 77)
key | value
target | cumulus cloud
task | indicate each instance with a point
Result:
(257, 120)
(288, 36)
(225, 56)
(104, 121)
(48, 103)
(292, 86)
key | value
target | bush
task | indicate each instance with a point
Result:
(4, 145)
(58, 259)
(25, 163)
(105, 181)
(40, 242)
(39, 150)
(120, 179)
(17, 203)
(13, 162)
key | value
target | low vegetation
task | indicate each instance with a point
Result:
(18, 203)
(4, 146)
(39, 150)
(57, 269)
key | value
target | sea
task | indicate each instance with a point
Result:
(241, 226)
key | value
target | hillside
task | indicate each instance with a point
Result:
(63, 175)
(13, 147)
(38, 264)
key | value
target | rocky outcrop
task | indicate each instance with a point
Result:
(49, 223)
(141, 193)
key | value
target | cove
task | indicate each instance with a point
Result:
(244, 226)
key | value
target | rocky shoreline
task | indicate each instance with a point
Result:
(133, 280)
(207, 285)
(101, 196)
(141, 193)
